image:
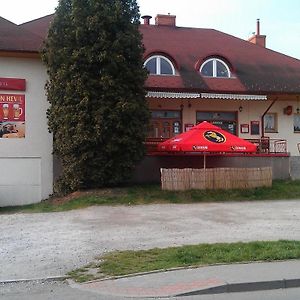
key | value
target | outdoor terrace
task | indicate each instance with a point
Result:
(265, 146)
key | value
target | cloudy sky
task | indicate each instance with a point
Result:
(280, 20)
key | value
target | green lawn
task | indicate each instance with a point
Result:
(129, 262)
(149, 194)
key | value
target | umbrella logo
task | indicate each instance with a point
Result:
(214, 136)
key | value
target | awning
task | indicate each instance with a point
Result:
(233, 96)
(171, 95)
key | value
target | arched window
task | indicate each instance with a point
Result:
(215, 67)
(159, 65)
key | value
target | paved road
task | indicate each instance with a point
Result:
(41, 245)
(202, 281)
(61, 291)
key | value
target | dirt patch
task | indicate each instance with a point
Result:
(107, 192)
(67, 198)
(51, 244)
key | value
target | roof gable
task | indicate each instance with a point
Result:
(15, 38)
(39, 26)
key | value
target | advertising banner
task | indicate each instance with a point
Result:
(12, 116)
(12, 84)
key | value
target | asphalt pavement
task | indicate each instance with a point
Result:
(62, 291)
(204, 280)
(253, 281)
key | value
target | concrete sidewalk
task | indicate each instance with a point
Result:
(203, 280)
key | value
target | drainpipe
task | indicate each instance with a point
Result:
(263, 116)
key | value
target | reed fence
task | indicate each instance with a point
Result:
(215, 178)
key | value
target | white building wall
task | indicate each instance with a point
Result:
(26, 163)
(286, 126)
(285, 123)
(252, 110)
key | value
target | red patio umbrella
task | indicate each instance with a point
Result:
(206, 138)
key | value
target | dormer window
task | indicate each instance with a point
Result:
(215, 67)
(159, 65)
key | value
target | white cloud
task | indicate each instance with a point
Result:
(190, 12)
(20, 11)
(279, 18)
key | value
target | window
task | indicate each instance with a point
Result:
(270, 122)
(225, 120)
(159, 65)
(296, 122)
(215, 67)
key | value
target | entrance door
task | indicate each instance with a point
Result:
(164, 124)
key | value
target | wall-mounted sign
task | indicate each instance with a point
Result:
(187, 127)
(244, 128)
(12, 116)
(12, 84)
(254, 127)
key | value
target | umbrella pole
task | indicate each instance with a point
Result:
(204, 166)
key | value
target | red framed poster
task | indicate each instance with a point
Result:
(12, 116)
(244, 128)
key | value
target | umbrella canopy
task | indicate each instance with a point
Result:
(206, 137)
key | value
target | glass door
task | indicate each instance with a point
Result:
(165, 124)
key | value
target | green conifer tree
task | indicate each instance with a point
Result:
(98, 113)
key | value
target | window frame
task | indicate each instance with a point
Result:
(273, 129)
(215, 71)
(217, 117)
(158, 65)
(294, 124)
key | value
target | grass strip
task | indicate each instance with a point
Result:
(129, 262)
(150, 194)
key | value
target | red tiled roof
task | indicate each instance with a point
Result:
(255, 69)
(164, 82)
(15, 38)
(225, 84)
(39, 26)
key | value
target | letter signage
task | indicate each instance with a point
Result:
(12, 84)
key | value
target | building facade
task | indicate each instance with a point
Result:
(194, 75)
(25, 143)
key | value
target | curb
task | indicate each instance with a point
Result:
(52, 278)
(246, 287)
(177, 269)
(171, 270)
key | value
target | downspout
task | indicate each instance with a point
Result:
(263, 116)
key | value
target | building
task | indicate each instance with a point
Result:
(194, 75)
(202, 74)
(25, 143)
